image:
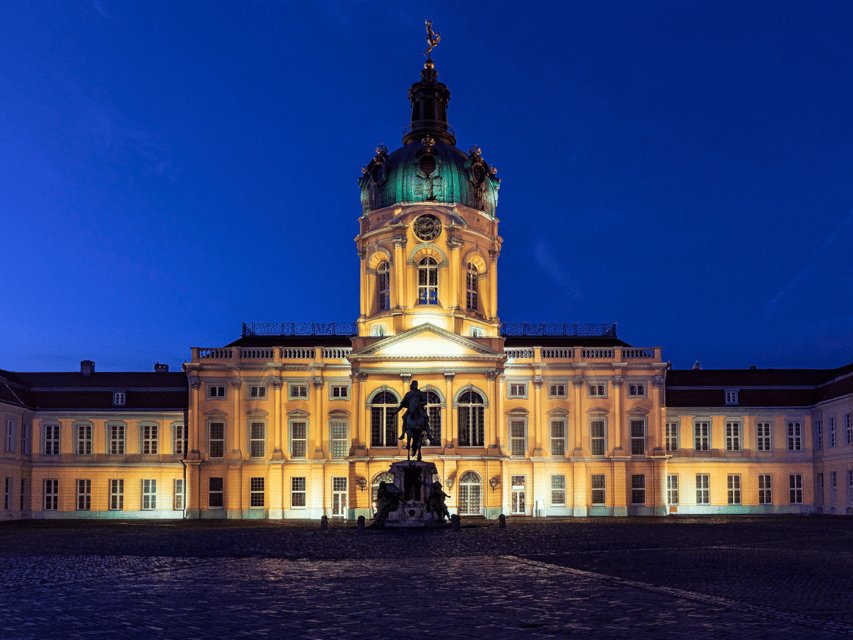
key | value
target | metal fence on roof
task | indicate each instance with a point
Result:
(570, 329)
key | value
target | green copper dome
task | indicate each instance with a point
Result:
(429, 167)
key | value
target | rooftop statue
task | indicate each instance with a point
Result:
(432, 37)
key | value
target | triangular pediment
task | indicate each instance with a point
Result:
(426, 342)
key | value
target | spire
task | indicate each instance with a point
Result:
(429, 99)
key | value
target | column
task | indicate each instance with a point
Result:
(454, 244)
(399, 295)
(497, 418)
(538, 441)
(359, 381)
(317, 424)
(277, 412)
(617, 418)
(450, 414)
(193, 426)
(577, 381)
(237, 422)
(493, 284)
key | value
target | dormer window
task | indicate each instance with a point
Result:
(119, 398)
(731, 396)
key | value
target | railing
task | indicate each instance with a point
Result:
(571, 329)
(297, 353)
(330, 353)
(561, 354)
(299, 329)
(596, 354)
(256, 354)
(518, 353)
(214, 354)
(637, 354)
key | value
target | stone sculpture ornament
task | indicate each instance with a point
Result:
(387, 500)
(435, 503)
(415, 421)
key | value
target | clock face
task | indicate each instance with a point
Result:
(427, 227)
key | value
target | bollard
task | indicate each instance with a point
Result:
(454, 522)
(360, 526)
(324, 523)
(502, 521)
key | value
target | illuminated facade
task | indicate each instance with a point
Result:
(297, 422)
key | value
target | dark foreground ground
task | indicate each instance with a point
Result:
(737, 577)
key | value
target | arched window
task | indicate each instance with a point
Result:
(380, 477)
(383, 286)
(471, 288)
(470, 489)
(383, 421)
(433, 408)
(428, 281)
(471, 419)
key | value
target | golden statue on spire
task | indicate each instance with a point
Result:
(432, 37)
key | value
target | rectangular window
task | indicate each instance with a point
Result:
(84, 439)
(7, 495)
(149, 494)
(762, 436)
(298, 439)
(216, 391)
(297, 391)
(257, 443)
(119, 398)
(672, 489)
(734, 489)
(636, 390)
(731, 396)
(702, 435)
(23, 493)
(84, 495)
(558, 489)
(849, 487)
(179, 441)
(517, 390)
(25, 438)
(297, 492)
(256, 493)
(796, 484)
(216, 493)
(517, 439)
(178, 500)
(819, 489)
(848, 428)
(599, 492)
(257, 392)
(340, 438)
(558, 438)
(597, 390)
(638, 437)
(795, 437)
(115, 434)
(672, 436)
(733, 436)
(818, 431)
(833, 487)
(833, 435)
(51, 495)
(116, 495)
(51, 439)
(703, 488)
(216, 439)
(149, 439)
(638, 489)
(557, 390)
(10, 435)
(765, 495)
(597, 437)
(339, 391)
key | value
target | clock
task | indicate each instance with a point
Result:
(427, 227)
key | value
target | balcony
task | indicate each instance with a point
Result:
(271, 355)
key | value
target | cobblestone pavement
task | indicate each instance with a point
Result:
(620, 578)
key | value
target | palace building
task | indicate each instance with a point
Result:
(298, 421)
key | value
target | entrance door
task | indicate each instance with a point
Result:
(519, 504)
(469, 494)
(340, 500)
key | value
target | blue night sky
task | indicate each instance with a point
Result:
(171, 169)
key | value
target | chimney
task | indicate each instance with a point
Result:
(161, 368)
(87, 368)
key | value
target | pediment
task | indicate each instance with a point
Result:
(426, 342)
(215, 413)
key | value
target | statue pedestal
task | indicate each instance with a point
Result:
(415, 481)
